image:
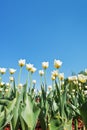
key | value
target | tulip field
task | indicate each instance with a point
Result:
(59, 106)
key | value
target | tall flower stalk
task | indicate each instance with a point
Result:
(45, 65)
(21, 63)
(19, 76)
(45, 80)
(31, 69)
(2, 71)
(65, 100)
(41, 73)
(30, 77)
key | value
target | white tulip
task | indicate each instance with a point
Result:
(45, 65)
(20, 85)
(11, 78)
(82, 78)
(12, 71)
(85, 92)
(7, 84)
(62, 83)
(73, 90)
(79, 84)
(86, 87)
(34, 81)
(52, 77)
(2, 83)
(29, 66)
(2, 70)
(75, 82)
(54, 73)
(6, 90)
(72, 78)
(35, 91)
(41, 72)
(80, 87)
(49, 87)
(47, 93)
(33, 69)
(61, 76)
(57, 63)
(21, 62)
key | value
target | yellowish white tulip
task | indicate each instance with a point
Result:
(52, 77)
(2, 70)
(12, 71)
(72, 78)
(7, 84)
(34, 81)
(57, 64)
(62, 83)
(33, 69)
(20, 85)
(45, 65)
(21, 62)
(41, 72)
(49, 87)
(85, 92)
(11, 78)
(54, 73)
(86, 87)
(75, 82)
(73, 90)
(2, 83)
(6, 90)
(61, 76)
(82, 78)
(29, 66)
(80, 87)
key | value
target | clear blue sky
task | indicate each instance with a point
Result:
(42, 30)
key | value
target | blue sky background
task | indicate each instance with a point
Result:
(43, 30)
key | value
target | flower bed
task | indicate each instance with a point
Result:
(62, 105)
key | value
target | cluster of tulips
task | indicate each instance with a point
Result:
(60, 106)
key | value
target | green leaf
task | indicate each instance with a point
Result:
(30, 112)
(83, 111)
(64, 126)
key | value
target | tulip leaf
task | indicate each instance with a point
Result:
(30, 112)
(53, 125)
(83, 111)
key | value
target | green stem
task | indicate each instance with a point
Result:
(52, 84)
(45, 79)
(30, 77)
(0, 77)
(76, 124)
(27, 82)
(40, 81)
(19, 77)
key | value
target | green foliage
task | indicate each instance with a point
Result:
(83, 111)
(55, 109)
(22, 111)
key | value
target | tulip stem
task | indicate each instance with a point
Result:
(45, 79)
(30, 78)
(52, 84)
(40, 80)
(0, 78)
(19, 77)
